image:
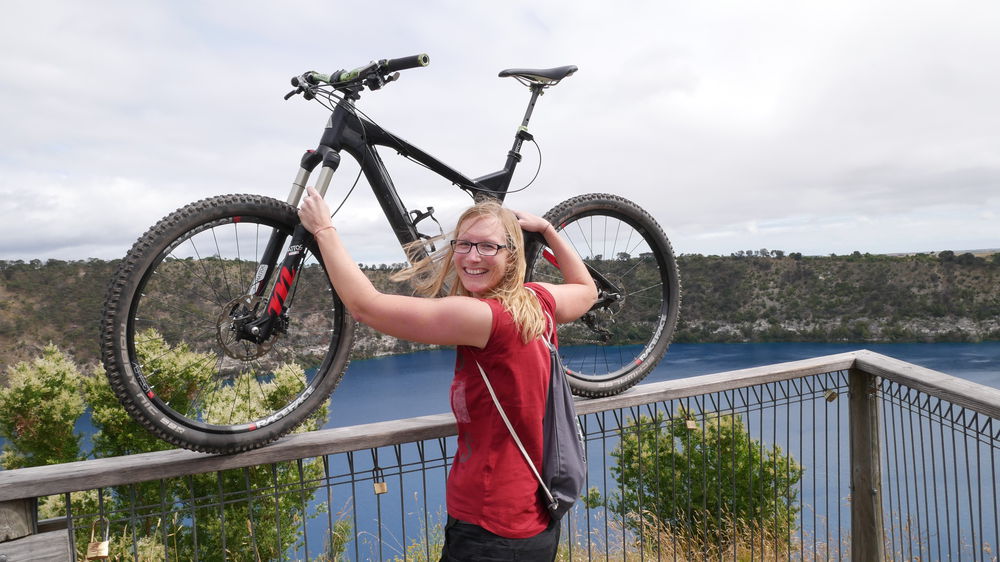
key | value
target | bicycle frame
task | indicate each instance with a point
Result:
(359, 137)
(348, 132)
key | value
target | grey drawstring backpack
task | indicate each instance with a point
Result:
(564, 460)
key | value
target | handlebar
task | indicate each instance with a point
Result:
(373, 75)
(406, 63)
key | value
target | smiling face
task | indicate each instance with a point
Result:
(478, 273)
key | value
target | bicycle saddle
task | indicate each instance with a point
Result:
(547, 76)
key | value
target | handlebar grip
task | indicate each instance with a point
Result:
(314, 77)
(416, 61)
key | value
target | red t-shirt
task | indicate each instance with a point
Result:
(490, 484)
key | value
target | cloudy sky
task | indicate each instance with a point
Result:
(817, 127)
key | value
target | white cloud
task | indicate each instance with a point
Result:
(799, 126)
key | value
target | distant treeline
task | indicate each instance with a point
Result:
(770, 296)
(748, 296)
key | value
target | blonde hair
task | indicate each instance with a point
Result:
(435, 275)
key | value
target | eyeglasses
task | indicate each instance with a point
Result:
(484, 248)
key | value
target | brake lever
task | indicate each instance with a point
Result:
(303, 85)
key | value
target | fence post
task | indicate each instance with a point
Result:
(866, 475)
(22, 538)
(18, 518)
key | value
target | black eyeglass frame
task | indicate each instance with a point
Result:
(454, 247)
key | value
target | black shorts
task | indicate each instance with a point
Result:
(465, 541)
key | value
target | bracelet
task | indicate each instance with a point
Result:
(315, 234)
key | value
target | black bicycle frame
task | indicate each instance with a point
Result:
(348, 132)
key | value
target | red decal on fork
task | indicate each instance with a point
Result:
(281, 291)
(550, 257)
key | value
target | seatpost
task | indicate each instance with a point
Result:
(496, 184)
(514, 156)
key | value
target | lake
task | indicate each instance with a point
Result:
(417, 384)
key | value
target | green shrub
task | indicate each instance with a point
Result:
(704, 479)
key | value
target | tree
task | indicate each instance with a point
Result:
(39, 407)
(705, 479)
(206, 523)
(968, 258)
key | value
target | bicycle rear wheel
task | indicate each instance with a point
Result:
(624, 336)
(170, 337)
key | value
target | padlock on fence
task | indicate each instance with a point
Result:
(98, 549)
(379, 482)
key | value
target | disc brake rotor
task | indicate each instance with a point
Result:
(235, 314)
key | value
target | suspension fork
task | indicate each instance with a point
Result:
(273, 317)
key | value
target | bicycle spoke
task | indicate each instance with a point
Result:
(184, 331)
(632, 317)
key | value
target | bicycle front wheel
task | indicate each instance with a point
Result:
(622, 338)
(171, 343)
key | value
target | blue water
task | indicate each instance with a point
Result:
(417, 384)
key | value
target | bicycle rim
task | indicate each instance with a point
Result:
(180, 337)
(615, 344)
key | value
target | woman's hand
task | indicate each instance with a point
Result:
(531, 223)
(314, 212)
(577, 293)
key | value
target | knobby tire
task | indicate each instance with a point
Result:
(167, 335)
(619, 342)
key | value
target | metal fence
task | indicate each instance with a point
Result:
(848, 456)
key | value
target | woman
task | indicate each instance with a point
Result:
(494, 511)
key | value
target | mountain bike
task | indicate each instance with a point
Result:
(221, 331)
